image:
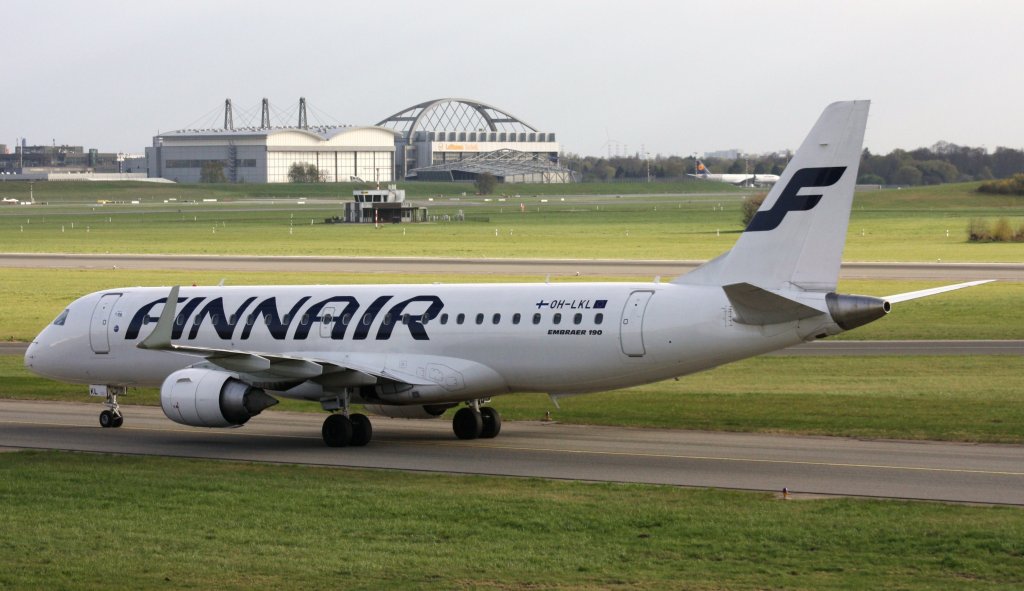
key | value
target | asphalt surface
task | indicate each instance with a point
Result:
(534, 267)
(807, 466)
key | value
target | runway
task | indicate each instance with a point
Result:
(807, 466)
(530, 267)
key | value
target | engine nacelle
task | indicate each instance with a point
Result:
(417, 411)
(211, 398)
(851, 311)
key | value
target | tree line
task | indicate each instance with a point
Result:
(941, 163)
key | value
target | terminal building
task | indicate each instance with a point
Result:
(444, 139)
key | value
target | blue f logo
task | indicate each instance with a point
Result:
(789, 200)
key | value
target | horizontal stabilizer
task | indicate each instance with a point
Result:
(753, 305)
(913, 295)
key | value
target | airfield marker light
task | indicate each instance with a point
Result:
(62, 229)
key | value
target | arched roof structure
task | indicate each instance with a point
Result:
(454, 114)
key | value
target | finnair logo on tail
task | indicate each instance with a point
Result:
(789, 201)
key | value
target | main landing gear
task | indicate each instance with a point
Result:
(344, 429)
(112, 417)
(475, 421)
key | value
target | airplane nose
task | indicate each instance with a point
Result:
(30, 354)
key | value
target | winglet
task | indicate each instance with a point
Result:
(160, 338)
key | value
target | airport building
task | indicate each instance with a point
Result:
(457, 139)
(266, 154)
(443, 139)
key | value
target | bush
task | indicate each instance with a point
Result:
(1011, 186)
(485, 183)
(979, 230)
(1002, 232)
(750, 206)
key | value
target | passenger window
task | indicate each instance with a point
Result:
(577, 318)
(305, 319)
(425, 318)
(405, 319)
(367, 319)
(345, 319)
(180, 321)
(496, 319)
(479, 318)
(59, 320)
(387, 319)
(558, 318)
(598, 318)
(266, 319)
(287, 318)
(536, 318)
(326, 319)
(444, 318)
(460, 318)
(516, 317)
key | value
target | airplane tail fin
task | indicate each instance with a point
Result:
(700, 170)
(796, 238)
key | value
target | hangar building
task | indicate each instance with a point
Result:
(457, 139)
(266, 154)
(444, 139)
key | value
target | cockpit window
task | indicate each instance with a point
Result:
(59, 321)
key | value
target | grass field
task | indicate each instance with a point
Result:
(31, 298)
(954, 398)
(95, 522)
(891, 225)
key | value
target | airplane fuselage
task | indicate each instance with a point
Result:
(475, 340)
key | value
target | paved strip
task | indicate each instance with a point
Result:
(955, 472)
(531, 267)
(827, 348)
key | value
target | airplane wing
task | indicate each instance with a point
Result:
(913, 295)
(266, 366)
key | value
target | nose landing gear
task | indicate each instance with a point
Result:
(112, 417)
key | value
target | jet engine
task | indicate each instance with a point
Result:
(419, 411)
(851, 311)
(211, 398)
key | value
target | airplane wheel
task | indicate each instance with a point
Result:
(106, 419)
(118, 421)
(362, 430)
(337, 431)
(467, 423)
(491, 422)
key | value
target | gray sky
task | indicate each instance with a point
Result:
(675, 76)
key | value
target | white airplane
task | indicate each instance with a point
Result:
(747, 180)
(220, 355)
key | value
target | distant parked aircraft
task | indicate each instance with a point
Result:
(746, 180)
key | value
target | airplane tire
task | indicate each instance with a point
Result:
(118, 421)
(467, 423)
(106, 419)
(491, 422)
(337, 431)
(362, 430)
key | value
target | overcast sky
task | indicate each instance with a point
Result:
(677, 77)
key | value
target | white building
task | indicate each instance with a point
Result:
(266, 155)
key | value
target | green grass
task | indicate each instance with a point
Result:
(79, 521)
(954, 398)
(908, 225)
(31, 298)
